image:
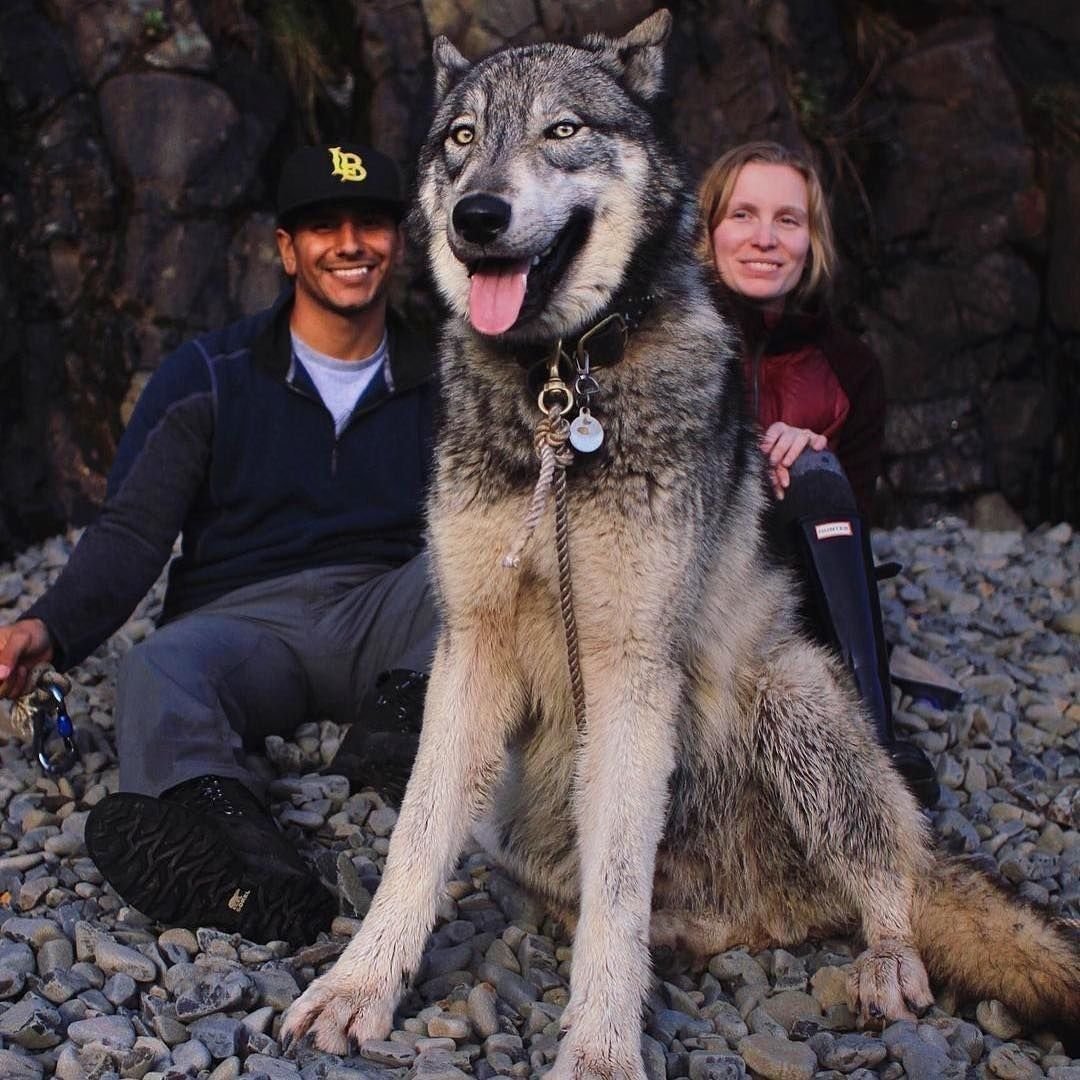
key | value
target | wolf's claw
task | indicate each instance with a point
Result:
(888, 982)
(333, 1013)
(577, 1063)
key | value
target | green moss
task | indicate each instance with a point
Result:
(810, 102)
(314, 45)
(155, 25)
(1055, 116)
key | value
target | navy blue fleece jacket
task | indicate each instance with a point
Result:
(231, 446)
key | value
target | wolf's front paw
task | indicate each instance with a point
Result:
(581, 1059)
(333, 1011)
(888, 982)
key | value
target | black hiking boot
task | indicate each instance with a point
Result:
(379, 749)
(911, 762)
(208, 853)
(839, 566)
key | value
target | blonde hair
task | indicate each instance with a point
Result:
(716, 189)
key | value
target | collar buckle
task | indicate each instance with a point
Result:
(615, 320)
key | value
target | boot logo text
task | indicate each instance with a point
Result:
(829, 530)
(238, 899)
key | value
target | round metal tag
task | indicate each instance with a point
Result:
(586, 434)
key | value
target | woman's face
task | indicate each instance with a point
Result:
(761, 243)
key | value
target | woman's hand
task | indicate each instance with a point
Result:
(782, 444)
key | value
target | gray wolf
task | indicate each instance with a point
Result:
(724, 788)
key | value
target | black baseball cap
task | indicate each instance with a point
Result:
(341, 171)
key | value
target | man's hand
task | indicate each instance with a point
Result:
(782, 444)
(23, 644)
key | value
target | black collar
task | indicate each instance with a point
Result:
(604, 342)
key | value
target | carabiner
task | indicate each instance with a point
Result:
(555, 388)
(60, 762)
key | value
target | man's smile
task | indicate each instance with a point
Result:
(350, 273)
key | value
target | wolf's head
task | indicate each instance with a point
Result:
(543, 180)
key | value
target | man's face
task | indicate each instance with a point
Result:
(341, 256)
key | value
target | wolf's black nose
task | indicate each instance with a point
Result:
(481, 218)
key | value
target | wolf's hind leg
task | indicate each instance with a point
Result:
(857, 823)
(693, 931)
(473, 698)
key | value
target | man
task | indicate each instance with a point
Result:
(291, 451)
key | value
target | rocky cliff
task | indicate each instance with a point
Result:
(139, 140)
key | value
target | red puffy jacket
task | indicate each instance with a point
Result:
(800, 388)
(809, 372)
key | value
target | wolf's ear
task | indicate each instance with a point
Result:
(450, 65)
(640, 54)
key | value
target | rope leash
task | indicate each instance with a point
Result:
(566, 599)
(551, 442)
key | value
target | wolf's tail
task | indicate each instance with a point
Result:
(974, 936)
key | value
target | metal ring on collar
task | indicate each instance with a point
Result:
(555, 388)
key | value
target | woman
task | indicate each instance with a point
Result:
(818, 395)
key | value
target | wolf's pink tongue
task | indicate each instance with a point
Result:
(495, 296)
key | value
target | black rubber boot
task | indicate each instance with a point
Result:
(379, 749)
(847, 612)
(208, 853)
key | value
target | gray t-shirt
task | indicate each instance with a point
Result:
(341, 383)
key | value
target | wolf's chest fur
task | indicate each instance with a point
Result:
(668, 416)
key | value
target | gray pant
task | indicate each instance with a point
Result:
(203, 690)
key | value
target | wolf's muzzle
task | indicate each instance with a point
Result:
(479, 219)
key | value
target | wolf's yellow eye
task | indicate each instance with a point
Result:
(462, 134)
(563, 129)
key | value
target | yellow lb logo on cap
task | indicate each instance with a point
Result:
(347, 165)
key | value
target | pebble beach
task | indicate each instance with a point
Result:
(91, 990)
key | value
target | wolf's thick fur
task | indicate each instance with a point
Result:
(726, 788)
